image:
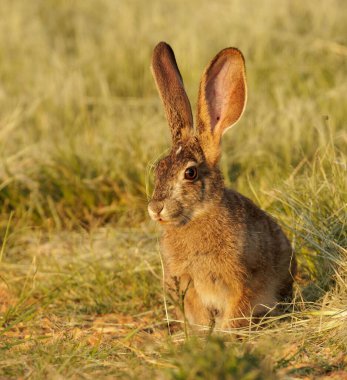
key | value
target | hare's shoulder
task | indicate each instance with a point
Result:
(265, 238)
(247, 213)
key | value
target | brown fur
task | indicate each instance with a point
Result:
(170, 84)
(224, 256)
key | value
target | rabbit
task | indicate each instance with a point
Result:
(223, 256)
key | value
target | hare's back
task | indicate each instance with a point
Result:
(266, 246)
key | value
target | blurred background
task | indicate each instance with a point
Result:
(81, 119)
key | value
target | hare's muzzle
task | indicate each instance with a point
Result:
(154, 209)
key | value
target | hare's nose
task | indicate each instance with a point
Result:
(155, 208)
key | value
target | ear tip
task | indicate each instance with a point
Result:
(161, 44)
(161, 47)
(232, 52)
(162, 52)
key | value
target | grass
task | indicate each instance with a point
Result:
(81, 122)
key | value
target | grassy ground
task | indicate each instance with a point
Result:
(80, 274)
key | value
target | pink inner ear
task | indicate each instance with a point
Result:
(217, 92)
(222, 80)
(225, 93)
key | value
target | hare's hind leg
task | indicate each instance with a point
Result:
(247, 309)
(236, 314)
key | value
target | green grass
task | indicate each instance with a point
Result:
(81, 122)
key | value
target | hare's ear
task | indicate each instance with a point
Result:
(222, 99)
(170, 86)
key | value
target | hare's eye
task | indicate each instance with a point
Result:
(191, 173)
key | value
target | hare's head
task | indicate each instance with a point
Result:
(188, 180)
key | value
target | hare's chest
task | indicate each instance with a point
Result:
(212, 290)
(205, 268)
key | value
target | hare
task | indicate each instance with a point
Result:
(228, 260)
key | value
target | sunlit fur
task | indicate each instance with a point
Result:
(227, 259)
(183, 199)
(231, 255)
